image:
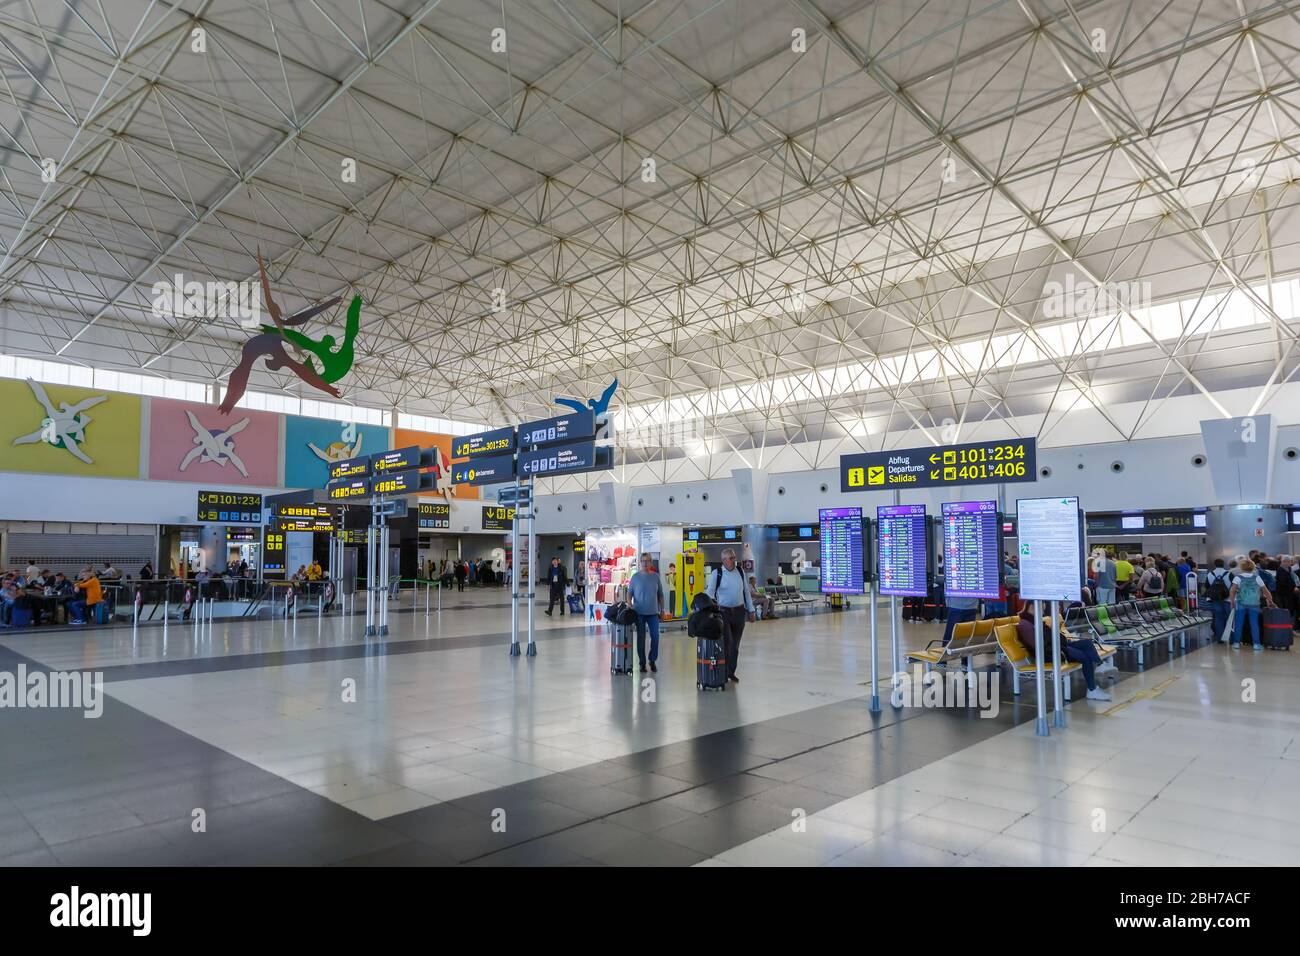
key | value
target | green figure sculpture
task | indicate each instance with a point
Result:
(334, 365)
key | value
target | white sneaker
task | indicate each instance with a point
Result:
(1106, 667)
(1098, 694)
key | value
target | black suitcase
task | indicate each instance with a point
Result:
(1275, 628)
(705, 625)
(710, 664)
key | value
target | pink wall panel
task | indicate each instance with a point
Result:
(244, 447)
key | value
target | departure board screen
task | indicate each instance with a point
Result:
(900, 542)
(230, 507)
(841, 560)
(434, 516)
(972, 549)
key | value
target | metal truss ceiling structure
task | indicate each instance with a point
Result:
(700, 198)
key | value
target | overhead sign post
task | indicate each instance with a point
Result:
(978, 463)
(1051, 569)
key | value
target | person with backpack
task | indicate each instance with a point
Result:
(1218, 584)
(1247, 592)
(728, 589)
(1152, 582)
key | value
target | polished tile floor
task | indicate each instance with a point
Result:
(305, 743)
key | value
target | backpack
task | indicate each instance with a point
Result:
(1248, 590)
(1218, 590)
(705, 620)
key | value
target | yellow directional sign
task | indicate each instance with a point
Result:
(1006, 461)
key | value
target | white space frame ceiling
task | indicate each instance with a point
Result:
(916, 180)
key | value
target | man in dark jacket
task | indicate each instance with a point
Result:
(557, 578)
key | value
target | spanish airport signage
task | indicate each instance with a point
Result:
(978, 463)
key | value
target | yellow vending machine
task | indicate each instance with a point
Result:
(690, 578)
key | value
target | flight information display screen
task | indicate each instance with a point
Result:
(972, 549)
(434, 516)
(901, 546)
(841, 560)
(229, 507)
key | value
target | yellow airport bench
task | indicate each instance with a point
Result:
(1022, 662)
(968, 639)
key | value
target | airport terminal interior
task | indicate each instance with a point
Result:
(708, 433)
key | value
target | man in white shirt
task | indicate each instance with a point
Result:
(728, 588)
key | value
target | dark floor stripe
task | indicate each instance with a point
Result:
(371, 647)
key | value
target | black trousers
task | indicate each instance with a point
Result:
(733, 628)
(557, 594)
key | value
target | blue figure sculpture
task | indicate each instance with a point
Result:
(598, 405)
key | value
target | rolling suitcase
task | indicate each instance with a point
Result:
(620, 639)
(705, 625)
(1275, 628)
(710, 664)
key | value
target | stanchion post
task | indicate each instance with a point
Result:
(1040, 684)
(532, 573)
(875, 663)
(1058, 679)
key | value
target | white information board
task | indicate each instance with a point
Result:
(649, 538)
(1051, 549)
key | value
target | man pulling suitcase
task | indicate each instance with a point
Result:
(728, 589)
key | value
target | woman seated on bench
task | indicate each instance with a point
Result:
(1082, 650)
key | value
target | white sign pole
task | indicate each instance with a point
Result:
(1058, 679)
(1040, 726)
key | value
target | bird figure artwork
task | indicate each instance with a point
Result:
(599, 406)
